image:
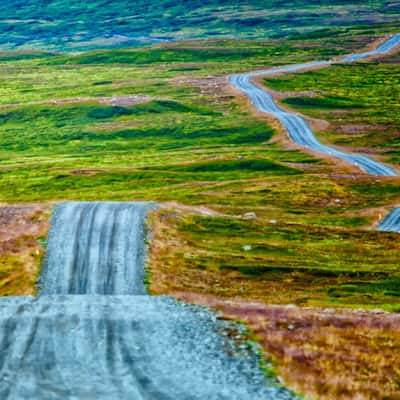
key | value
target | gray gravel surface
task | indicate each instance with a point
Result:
(296, 126)
(96, 248)
(92, 334)
(122, 347)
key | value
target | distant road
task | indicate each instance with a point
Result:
(297, 127)
(392, 222)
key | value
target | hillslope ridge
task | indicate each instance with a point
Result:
(75, 25)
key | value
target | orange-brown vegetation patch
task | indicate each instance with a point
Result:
(289, 94)
(354, 129)
(21, 227)
(114, 125)
(323, 353)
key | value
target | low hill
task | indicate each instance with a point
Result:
(80, 25)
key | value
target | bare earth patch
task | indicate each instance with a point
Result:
(216, 87)
(117, 100)
(125, 101)
(354, 129)
(193, 209)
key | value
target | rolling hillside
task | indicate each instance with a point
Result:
(131, 101)
(79, 25)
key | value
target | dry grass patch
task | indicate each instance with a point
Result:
(328, 354)
(21, 228)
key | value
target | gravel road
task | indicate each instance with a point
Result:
(296, 126)
(94, 334)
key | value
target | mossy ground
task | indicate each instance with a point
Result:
(276, 262)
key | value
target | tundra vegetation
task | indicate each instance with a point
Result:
(245, 215)
(77, 25)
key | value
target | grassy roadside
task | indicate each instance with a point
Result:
(317, 346)
(253, 259)
(321, 353)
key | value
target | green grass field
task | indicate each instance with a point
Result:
(64, 135)
(360, 101)
(243, 214)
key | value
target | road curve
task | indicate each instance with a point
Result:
(296, 126)
(93, 334)
(385, 47)
(391, 223)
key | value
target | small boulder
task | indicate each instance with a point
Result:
(250, 215)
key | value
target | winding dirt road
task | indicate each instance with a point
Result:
(299, 130)
(296, 126)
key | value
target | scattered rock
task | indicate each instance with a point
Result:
(250, 215)
(280, 380)
(291, 327)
